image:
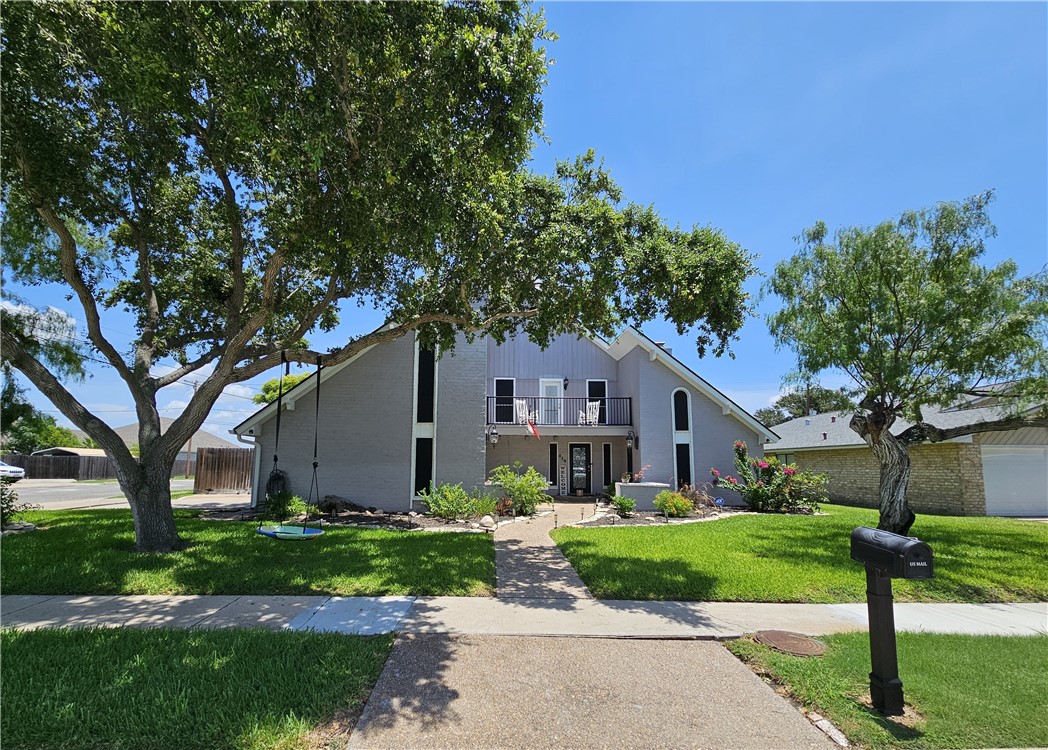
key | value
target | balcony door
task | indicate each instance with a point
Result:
(504, 400)
(551, 391)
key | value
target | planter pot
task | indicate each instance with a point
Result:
(643, 492)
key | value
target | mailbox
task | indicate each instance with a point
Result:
(894, 555)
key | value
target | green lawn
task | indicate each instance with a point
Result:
(972, 691)
(779, 558)
(92, 552)
(146, 689)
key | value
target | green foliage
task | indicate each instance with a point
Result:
(10, 507)
(767, 485)
(971, 690)
(525, 489)
(907, 310)
(775, 557)
(483, 503)
(151, 676)
(673, 504)
(26, 428)
(624, 506)
(609, 489)
(447, 501)
(231, 558)
(281, 506)
(270, 389)
(810, 398)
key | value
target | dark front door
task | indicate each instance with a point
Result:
(580, 468)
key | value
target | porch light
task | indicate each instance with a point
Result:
(493, 435)
(565, 384)
(631, 440)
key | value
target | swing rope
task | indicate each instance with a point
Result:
(278, 480)
(314, 485)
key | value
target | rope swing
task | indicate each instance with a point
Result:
(278, 479)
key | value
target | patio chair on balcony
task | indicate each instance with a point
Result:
(592, 414)
(520, 405)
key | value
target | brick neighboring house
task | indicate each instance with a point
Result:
(395, 418)
(993, 473)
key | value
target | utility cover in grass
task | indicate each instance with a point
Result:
(796, 644)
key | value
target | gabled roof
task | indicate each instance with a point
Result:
(631, 338)
(64, 451)
(806, 433)
(129, 434)
(624, 343)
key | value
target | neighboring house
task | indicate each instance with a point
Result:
(69, 452)
(395, 418)
(129, 434)
(992, 473)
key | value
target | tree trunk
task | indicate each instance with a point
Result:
(894, 458)
(147, 485)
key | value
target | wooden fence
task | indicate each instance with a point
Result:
(79, 467)
(224, 470)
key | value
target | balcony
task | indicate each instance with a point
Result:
(563, 412)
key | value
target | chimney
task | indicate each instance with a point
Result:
(662, 345)
(824, 436)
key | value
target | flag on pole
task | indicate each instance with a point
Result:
(531, 428)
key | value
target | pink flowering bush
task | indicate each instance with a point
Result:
(767, 485)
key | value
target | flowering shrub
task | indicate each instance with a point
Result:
(673, 504)
(767, 485)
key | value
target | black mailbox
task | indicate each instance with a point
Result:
(895, 555)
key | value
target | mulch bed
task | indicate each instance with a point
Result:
(367, 519)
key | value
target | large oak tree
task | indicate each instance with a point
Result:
(237, 174)
(908, 311)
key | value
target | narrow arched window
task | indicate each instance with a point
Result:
(680, 411)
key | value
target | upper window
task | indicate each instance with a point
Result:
(680, 411)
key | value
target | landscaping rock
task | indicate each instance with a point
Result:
(333, 504)
(474, 525)
(487, 522)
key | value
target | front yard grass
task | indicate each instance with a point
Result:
(972, 691)
(144, 689)
(92, 552)
(779, 558)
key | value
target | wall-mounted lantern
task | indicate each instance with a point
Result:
(631, 440)
(493, 435)
(565, 384)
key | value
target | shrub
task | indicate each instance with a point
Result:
(698, 495)
(483, 503)
(624, 506)
(609, 490)
(9, 505)
(525, 490)
(448, 501)
(673, 504)
(767, 485)
(282, 505)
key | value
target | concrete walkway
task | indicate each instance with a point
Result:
(529, 564)
(516, 616)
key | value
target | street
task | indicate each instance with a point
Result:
(56, 494)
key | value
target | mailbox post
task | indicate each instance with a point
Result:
(886, 556)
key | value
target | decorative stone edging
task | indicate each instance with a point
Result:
(18, 527)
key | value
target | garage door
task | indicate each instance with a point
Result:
(1016, 480)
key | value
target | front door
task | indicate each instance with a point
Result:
(580, 468)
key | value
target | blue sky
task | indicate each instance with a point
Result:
(761, 119)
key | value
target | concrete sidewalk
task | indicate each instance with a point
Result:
(514, 616)
(530, 565)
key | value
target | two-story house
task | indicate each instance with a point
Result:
(583, 412)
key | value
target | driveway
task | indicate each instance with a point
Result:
(442, 691)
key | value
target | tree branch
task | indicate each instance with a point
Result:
(49, 385)
(924, 432)
(172, 377)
